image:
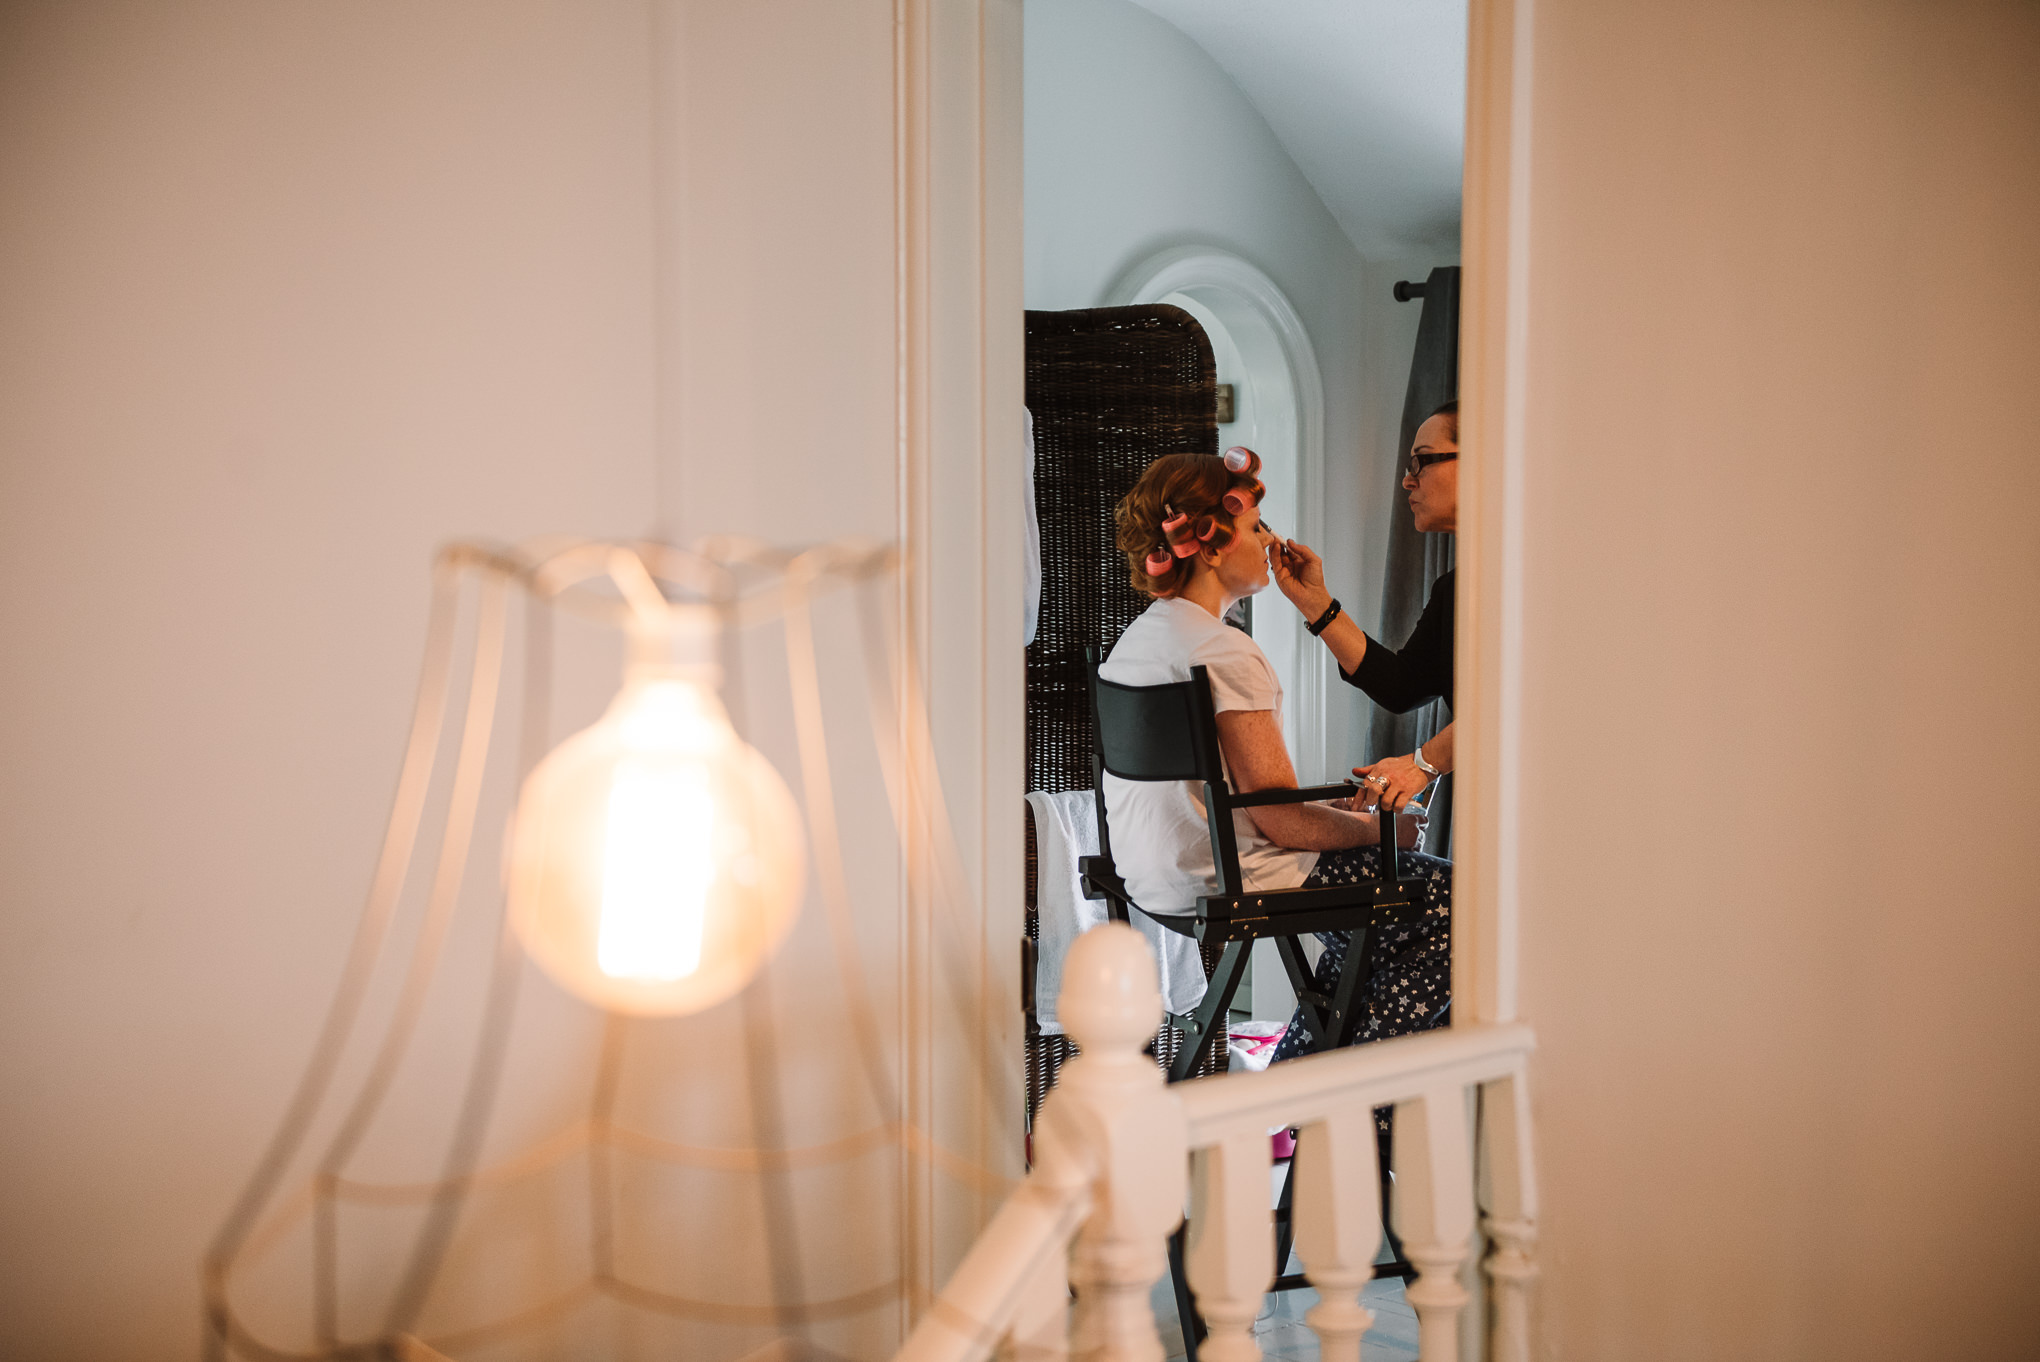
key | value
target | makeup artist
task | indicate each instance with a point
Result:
(1421, 670)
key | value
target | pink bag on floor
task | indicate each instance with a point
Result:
(1251, 1044)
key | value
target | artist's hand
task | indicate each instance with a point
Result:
(1300, 574)
(1391, 782)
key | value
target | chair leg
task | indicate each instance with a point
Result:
(1297, 966)
(1285, 1220)
(1346, 1011)
(1384, 1149)
(1218, 996)
(1186, 1305)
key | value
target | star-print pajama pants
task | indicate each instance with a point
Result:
(1410, 985)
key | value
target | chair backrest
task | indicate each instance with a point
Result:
(1165, 732)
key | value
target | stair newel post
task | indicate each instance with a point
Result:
(1338, 1225)
(1111, 1114)
(1511, 1219)
(1434, 1212)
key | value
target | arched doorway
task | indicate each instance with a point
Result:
(1261, 348)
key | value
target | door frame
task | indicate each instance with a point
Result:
(958, 265)
(1494, 306)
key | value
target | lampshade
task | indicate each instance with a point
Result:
(654, 863)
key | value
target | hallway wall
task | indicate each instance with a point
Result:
(1781, 746)
(292, 295)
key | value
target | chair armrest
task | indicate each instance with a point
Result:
(1286, 912)
(1309, 795)
(1101, 880)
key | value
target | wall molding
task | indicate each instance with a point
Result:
(1494, 359)
(959, 395)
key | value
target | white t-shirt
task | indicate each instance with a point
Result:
(1161, 844)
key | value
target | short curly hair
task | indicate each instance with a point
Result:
(1180, 505)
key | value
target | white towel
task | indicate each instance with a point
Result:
(1065, 828)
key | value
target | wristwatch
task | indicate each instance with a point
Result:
(1318, 625)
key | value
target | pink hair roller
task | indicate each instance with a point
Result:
(1206, 527)
(1159, 563)
(1175, 522)
(1240, 459)
(1236, 502)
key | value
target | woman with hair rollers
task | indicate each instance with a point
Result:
(1192, 534)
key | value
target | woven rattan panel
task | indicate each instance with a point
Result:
(1111, 389)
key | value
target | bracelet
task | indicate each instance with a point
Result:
(1422, 765)
(1331, 613)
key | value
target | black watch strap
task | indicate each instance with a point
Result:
(1319, 625)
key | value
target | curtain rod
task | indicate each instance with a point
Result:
(1405, 290)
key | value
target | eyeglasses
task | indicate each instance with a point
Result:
(1419, 462)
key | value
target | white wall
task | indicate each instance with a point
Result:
(293, 295)
(1782, 596)
(1138, 142)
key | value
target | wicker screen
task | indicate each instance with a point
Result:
(1111, 389)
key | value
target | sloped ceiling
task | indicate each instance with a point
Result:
(1367, 96)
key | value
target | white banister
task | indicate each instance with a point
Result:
(1014, 1279)
(1109, 1169)
(1380, 1073)
(1116, 1151)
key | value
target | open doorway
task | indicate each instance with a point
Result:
(1272, 173)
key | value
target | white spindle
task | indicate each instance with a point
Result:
(1434, 1211)
(1338, 1225)
(1511, 1220)
(1231, 1254)
(1111, 1113)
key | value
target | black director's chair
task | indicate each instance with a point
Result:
(1170, 732)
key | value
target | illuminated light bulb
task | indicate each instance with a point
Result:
(656, 859)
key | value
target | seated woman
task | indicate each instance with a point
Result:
(1191, 531)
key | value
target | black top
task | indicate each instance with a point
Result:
(1422, 671)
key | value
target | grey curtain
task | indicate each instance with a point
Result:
(1416, 561)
